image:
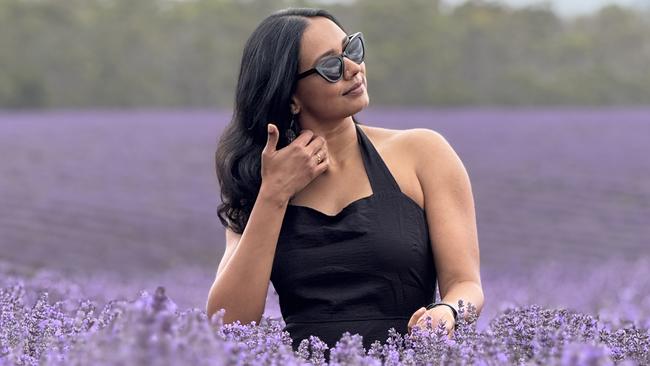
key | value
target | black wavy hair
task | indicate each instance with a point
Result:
(266, 83)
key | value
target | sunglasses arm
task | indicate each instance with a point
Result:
(306, 73)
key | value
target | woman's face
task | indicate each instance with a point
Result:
(317, 97)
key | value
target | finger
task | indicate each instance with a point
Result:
(450, 334)
(422, 322)
(316, 144)
(322, 167)
(304, 137)
(415, 317)
(322, 155)
(271, 138)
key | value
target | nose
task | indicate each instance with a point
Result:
(351, 68)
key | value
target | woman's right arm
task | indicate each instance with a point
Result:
(242, 280)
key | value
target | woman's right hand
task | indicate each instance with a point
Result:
(290, 169)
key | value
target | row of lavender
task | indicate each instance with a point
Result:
(48, 319)
(135, 191)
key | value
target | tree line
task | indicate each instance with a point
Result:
(173, 53)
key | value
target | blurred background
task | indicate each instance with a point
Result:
(186, 54)
(110, 111)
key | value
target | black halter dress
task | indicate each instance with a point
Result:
(364, 270)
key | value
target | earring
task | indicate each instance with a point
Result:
(290, 132)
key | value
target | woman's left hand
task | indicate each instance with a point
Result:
(437, 314)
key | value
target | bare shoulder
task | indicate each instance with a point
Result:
(435, 160)
(381, 135)
(423, 140)
(418, 158)
(413, 144)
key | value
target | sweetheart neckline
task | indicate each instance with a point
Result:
(355, 202)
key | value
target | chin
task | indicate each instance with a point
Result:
(363, 104)
(358, 106)
(353, 107)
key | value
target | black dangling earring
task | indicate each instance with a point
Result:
(290, 133)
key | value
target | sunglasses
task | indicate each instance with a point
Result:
(331, 68)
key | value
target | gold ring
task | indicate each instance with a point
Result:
(319, 158)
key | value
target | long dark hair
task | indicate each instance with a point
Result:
(267, 80)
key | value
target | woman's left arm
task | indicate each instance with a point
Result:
(451, 217)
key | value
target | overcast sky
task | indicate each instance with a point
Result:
(572, 7)
(563, 7)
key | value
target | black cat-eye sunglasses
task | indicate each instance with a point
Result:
(332, 67)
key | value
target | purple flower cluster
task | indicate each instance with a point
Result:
(151, 330)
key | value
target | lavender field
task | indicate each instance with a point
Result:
(109, 240)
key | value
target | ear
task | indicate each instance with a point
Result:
(295, 105)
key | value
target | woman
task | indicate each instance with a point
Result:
(346, 251)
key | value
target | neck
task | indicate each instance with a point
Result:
(340, 135)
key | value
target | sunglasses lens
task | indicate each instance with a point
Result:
(331, 68)
(355, 50)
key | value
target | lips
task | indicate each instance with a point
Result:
(356, 85)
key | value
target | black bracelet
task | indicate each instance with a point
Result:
(432, 305)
